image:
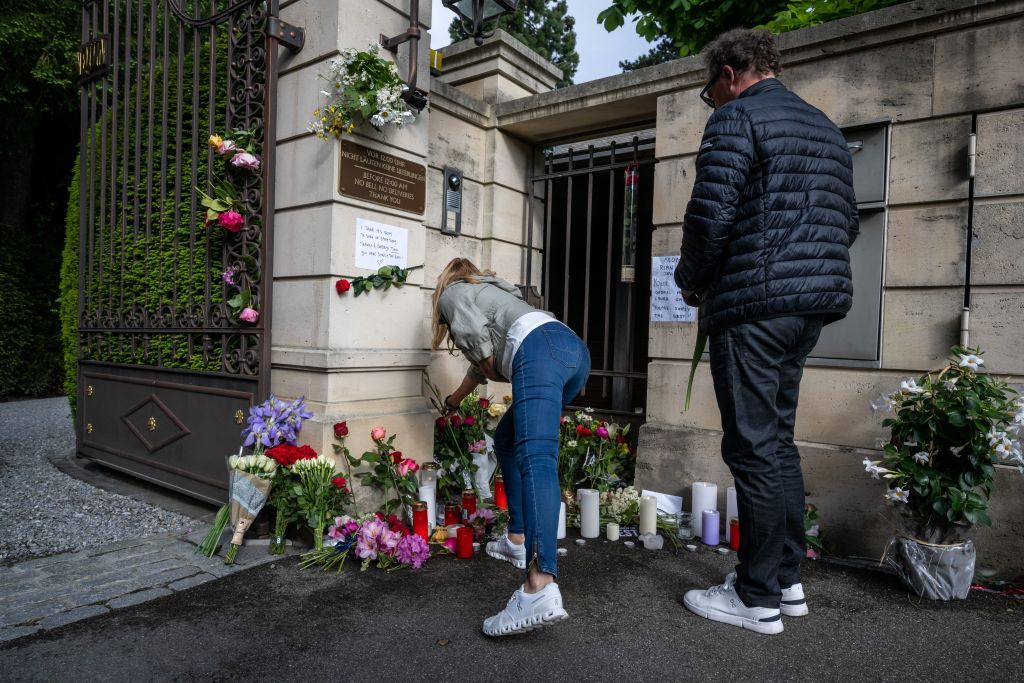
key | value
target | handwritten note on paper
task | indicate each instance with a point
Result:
(667, 304)
(379, 244)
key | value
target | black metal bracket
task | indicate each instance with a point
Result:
(391, 44)
(292, 37)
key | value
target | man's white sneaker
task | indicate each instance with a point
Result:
(504, 549)
(793, 602)
(722, 604)
(527, 611)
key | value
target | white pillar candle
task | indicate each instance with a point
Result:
(428, 494)
(648, 515)
(731, 510)
(561, 521)
(705, 497)
(590, 513)
(612, 531)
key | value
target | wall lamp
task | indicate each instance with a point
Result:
(473, 14)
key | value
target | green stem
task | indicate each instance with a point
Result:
(229, 557)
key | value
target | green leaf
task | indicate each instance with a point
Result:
(370, 456)
(956, 418)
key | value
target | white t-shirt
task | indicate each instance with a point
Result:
(517, 333)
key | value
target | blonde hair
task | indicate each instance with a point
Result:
(457, 270)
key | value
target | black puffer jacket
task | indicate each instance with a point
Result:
(772, 215)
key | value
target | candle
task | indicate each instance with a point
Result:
(648, 515)
(731, 511)
(419, 520)
(684, 525)
(590, 512)
(612, 531)
(561, 522)
(709, 527)
(468, 504)
(453, 530)
(428, 495)
(465, 542)
(705, 497)
(734, 534)
(499, 493)
(428, 475)
(451, 515)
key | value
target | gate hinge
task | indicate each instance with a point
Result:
(292, 37)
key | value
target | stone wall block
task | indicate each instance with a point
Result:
(454, 142)
(928, 161)
(681, 119)
(926, 246)
(1000, 152)
(978, 68)
(920, 327)
(673, 184)
(997, 251)
(997, 326)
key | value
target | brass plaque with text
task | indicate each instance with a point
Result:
(382, 178)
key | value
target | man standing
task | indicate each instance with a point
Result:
(765, 256)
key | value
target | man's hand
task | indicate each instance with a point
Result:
(691, 298)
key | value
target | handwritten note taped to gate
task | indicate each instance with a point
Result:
(380, 244)
(667, 304)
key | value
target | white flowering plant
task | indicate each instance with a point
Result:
(948, 433)
(361, 88)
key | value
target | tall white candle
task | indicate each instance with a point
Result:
(648, 515)
(731, 510)
(590, 513)
(428, 494)
(561, 521)
(705, 497)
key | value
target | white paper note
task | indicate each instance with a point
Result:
(667, 305)
(667, 503)
(380, 244)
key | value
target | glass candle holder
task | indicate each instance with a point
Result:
(468, 504)
(451, 515)
(428, 475)
(684, 525)
(500, 500)
(419, 520)
(734, 534)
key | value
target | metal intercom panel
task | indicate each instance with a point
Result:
(451, 220)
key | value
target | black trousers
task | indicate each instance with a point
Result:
(756, 369)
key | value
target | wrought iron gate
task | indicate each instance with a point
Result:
(167, 369)
(583, 282)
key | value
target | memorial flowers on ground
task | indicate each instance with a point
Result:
(593, 453)
(390, 473)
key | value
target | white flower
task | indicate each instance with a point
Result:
(362, 101)
(872, 468)
(815, 530)
(1004, 449)
(376, 121)
(921, 457)
(588, 409)
(909, 386)
(950, 384)
(911, 444)
(896, 494)
(955, 450)
(994, 436)
(885, 403)
(971, 362)
(571, 444)
(325, 93)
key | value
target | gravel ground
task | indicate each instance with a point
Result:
(44, 511)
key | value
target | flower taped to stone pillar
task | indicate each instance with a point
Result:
(629, 218)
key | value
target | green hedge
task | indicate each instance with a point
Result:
(149, 268)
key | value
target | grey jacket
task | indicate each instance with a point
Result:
(479, 316)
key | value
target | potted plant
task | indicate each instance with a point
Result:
(948, 432)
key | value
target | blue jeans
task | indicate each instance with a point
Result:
(549, 370)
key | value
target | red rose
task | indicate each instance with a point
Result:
(582, 431)
(441, 423)
(380, 515)
(396, 457)
(484, 403)
(304, 452)
(456, 420)
(340, 429)
(620, 439)
(342, 286)
(469, 421)
(339, 482)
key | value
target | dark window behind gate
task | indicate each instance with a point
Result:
(167, 371)
(585, 212)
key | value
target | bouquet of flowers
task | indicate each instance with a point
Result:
(271, 423)
(320, 494)
(283, 491)
(593, 453)
(378, 539)
(813, 533)
(390, 471)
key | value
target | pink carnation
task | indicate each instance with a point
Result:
(249, 315)
(231, 221)
(246, 160)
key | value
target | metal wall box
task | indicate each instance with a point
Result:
(870, 161)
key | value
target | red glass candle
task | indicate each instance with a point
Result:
(451, 515)
(468, 504)
(499, 493)
(734, 534)
(419, 520)
(465, 542)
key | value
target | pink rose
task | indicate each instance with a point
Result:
(469, 421)
(601, 432)
(226, 146)
(249, 315)
(377, 433)
(246, 161)
(407, 466)
(231, 221)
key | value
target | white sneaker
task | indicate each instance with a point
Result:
(527, 611)
(504, 549)
(793, 602)
(722, 604)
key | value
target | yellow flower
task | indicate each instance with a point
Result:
(507, 398)
(215, 141)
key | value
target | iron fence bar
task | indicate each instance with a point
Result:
(546, 284)
(165, 58)
(94, 291)
(568, 247)
(84, 178)
(109, 228)
(210, 129)
(225, 257)
(585, 171)
(150, 104)
(180, 75)
(193, 168)
(122, 218)
(269, 159)
(627, 374)
(630, 290)
(608, 273)
(586, 267)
